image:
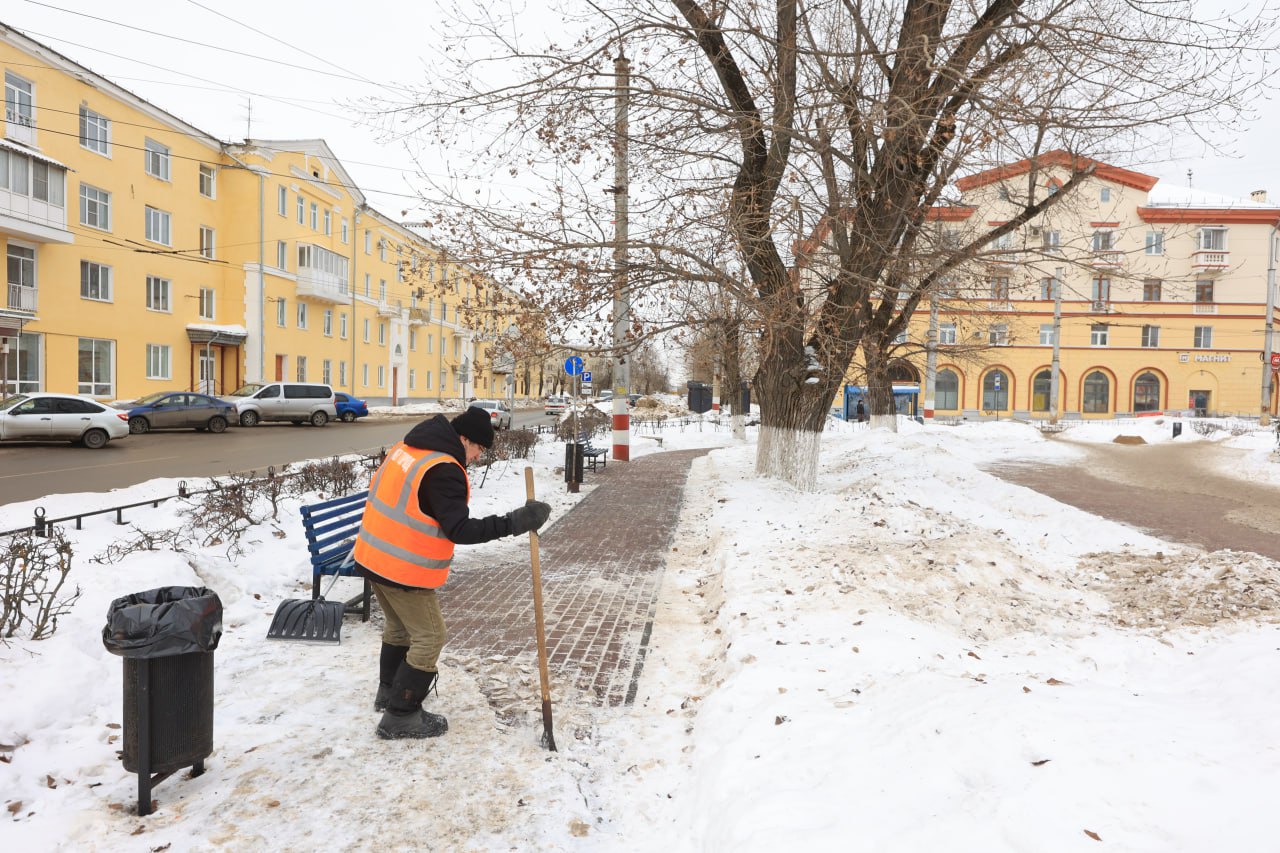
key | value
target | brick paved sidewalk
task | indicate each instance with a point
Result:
(601, 566)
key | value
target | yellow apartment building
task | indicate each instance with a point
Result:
(1160, 299)
(144, 254)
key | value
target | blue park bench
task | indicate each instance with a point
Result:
(331, 527)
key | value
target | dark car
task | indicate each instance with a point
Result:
(180, 410)
(350, 408)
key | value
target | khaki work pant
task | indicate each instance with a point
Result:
(413, 619)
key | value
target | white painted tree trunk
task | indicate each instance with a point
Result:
(739, 427)
(889, 422)
(790, 455)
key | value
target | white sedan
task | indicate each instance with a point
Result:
(499, 414)
(45, 416)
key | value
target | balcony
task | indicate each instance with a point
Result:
(22, 298)
(419, 317)
(1205, 308)
(322, 274)
(1108, 259)
(1210, 260)
(389, 309)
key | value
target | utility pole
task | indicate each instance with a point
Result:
(621, 296)
(931, 358)
(1268, 374)
(1057, 345)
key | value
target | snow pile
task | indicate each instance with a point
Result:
(915, 656)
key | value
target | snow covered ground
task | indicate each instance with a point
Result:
(917, 656)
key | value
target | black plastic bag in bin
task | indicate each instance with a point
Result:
(162, 622)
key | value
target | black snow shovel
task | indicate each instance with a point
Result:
(311, 620)
(548, 739)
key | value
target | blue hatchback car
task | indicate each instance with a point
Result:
(349, 408)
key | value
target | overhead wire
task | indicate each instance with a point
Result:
(344, 76)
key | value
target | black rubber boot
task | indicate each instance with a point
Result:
(388, 662)
(404, 717)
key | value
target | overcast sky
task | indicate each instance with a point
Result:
(310, 60)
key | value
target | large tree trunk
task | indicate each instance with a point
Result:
(792, 416)
(881, 406)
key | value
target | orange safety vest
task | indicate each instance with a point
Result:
(397, 540)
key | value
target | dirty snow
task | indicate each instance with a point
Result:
(917, 656)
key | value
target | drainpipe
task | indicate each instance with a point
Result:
(1264, 417)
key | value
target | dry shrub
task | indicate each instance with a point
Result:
(34, 570)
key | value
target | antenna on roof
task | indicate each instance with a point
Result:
(1188, 179)
(248, 121)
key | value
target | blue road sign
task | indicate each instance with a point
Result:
(573, 365)
(586, 377)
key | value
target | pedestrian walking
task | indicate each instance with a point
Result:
(861, 411)
(417, 511)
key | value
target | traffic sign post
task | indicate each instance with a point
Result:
(572, 449)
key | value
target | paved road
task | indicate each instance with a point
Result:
(1172, 490)
(32, 471)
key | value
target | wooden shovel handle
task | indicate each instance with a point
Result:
(537, 618)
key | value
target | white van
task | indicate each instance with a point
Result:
(284, 401)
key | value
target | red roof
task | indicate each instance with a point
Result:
(1075, 162)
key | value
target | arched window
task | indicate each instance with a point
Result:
(902, 372)
(946, 390)
(1146, 393)
(1097, 393)
(1041, 387)
(995, 391)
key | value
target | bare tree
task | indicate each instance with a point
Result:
(763, 132)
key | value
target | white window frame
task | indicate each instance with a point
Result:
(98, 202)
(302, 210)
(1104, 194)
(346, 234)
(315, 216)
(207, 306)
(342, 325)
(208, 181)
(366, 335)
(158, 226)
(364, 374)
(413, 340)
(1104, 240)
(1099, 335)
(413, 378)
(208, 242)
(328, 324)
(1151, 336)
(382, 334)
(302, 316)
(326, 371)
(19, 106)
(156, 159)
(342, 373)
(1202, 337)
(946, 335)
(1210, 235)
(159, 294)
(282, 200)
(95, 281)
(998, 334)
(101, 349)
(282, 255)
(368, 242)
(382, 376)
(301, 362)
(159, 361)
(1154, 243)
(282, 313)
(1046, 334)
(95, 131)
(328, 222)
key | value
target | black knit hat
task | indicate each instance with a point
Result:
(474, 424)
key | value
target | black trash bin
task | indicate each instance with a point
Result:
(573, 462)
(167, 637)
(1177, 428)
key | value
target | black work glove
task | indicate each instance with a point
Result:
(531, 516)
